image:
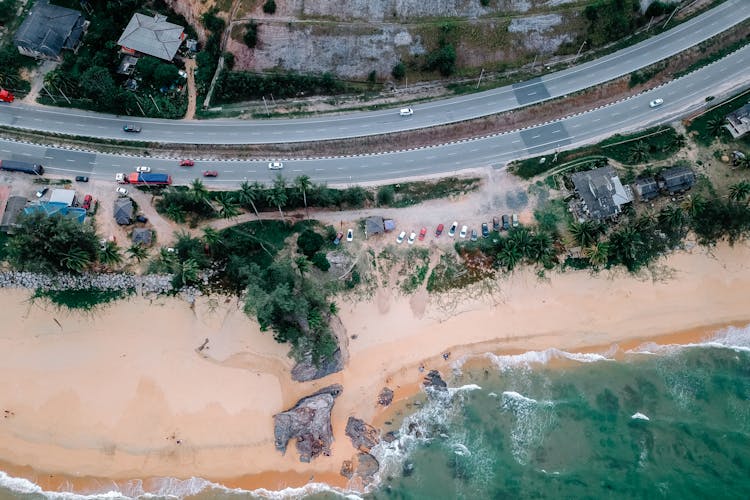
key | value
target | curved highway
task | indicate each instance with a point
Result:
(625, 61)
(680, 97)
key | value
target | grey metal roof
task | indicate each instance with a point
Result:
(601, 192)
(142, 235)
(152, 35)
(646, 187)
(123, 212)
(374, 225)
(678, 178)
(13, 208)
(50, 28)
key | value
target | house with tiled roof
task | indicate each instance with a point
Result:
(151, 35)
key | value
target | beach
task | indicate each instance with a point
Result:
(126, 392)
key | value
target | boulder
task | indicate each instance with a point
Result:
(306, 370)
(347, 468)
(363, 466)
(434, 380)
(363, 435)
(385, 397)
(390, 437)
(309, 421)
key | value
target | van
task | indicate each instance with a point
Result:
(406, 112)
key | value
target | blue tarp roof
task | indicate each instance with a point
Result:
(52, 208)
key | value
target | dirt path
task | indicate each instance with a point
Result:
(191, 90)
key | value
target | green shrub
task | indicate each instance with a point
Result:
(251, 34)
(228, 60)
(320, 261)
(399, 71)
(269, 7)
(211, 21)
(386, 195)
(442, 60)
(309, 242)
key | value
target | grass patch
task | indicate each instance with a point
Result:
(411, 193)
(417, 263)
(449, 274)
(660, 142)
(706, 128)
(81, 299)
(713, 57)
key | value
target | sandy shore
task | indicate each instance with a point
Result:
(125, 393)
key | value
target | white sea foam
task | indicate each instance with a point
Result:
(736, 339)
(169, 487)
(527, 359)
(639, 416)
(533, 419)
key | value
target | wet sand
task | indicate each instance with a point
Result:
(106, 396)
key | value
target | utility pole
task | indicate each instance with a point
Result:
(579, 51)
(266, 105)
(649, 23)
(139, 105)
(480, 78)
(406, 82)
(534, 63)
(61, 92)
(670, 16)
(50, 95)
(152, 100)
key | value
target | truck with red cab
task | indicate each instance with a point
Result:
(144, 178)
(6, 96)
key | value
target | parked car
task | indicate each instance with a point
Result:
(485, 230)
(87, 202)
(412, 237)
(496, 224)
(350, 235)
(275, 165)
(210, 173)
(656, 103)
(515, 220)
(405, 111)
(439, 230)
(464, 230)
(122, 191)
(41, 192)
(339, 237)
(141, 218)
(506, 222)
(400, 237)
(422, 233)
(82, 178)
(187, 163)
(131, 127)
(474, 235)
(143, 169)
(452, 230)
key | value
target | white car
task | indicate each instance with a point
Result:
(142, 169)
(400, 237)
(122, 191)
(350, 235)
(412, 237)
(405, 111)
(275, 165)
(464, 230)
(656, 102)
(452, 230)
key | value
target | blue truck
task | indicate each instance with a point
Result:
(21, 166)
(144, 178)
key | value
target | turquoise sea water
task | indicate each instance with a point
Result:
(664, 422)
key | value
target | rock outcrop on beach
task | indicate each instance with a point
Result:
(385, 397)
(363, 466)
(306, 370)
(309, 421)
(433, 380)
(364, 436)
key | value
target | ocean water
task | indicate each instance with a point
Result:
(657, 422)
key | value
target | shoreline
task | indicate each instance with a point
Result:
(98, 397)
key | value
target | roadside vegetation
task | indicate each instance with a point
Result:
(709, 126)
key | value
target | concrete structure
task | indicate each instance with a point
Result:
(48, 29)
(601, 193)
(738, 122)
(142, 236)
(13, 208)
(153, 36)
(66, 196)
(646, 188)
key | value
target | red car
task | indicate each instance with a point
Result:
(439, 230)
(210, 173)
(187, 163)
(422, 234)
(87, 202)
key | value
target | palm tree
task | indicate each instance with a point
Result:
(110, 254)
(625, 245)
(211, 236)
(521, 239)
(597, 253)
(229, 208)
(639, 153)
(509, 256)
(277, 194)
(138, 252)
(693, 205)
(585, 233)
(248, 194)
(678, 142)
(715, 126)
(176, 213)
(541, 249)
(303, 183)
(199, 191)
(303, 265)
(76, 260)
(739, 191)
(186, 272)
(672, 219)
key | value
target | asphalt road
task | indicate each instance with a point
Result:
(680, 97)
(576, 78)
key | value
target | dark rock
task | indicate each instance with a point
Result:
(386, 396)
(408, 468)
(367, 466)
(310, 422)
(307, 370)
(435, 381)
(347, 469)
(390, 437)
(363, 435)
